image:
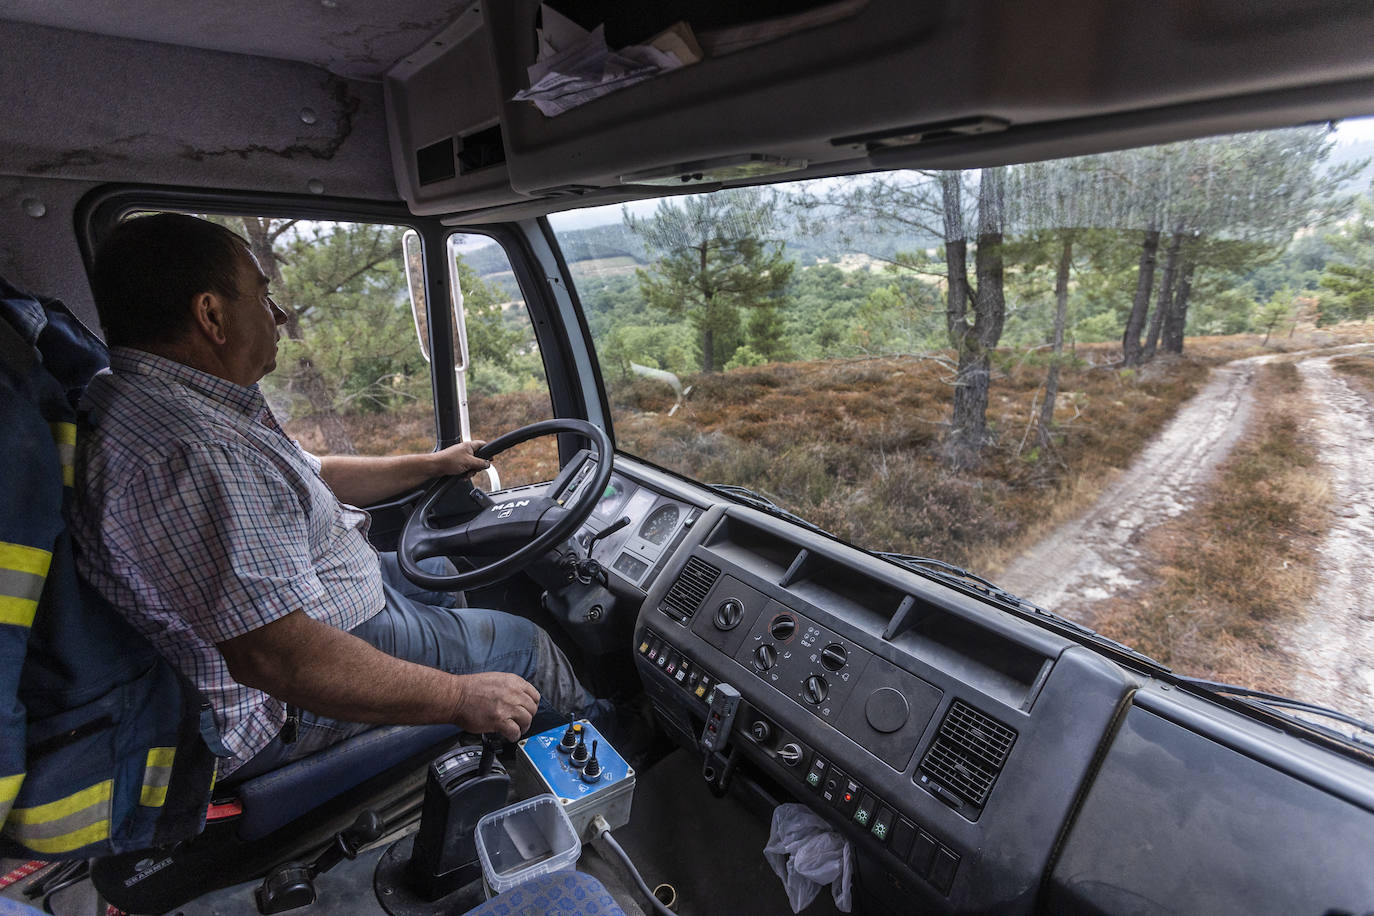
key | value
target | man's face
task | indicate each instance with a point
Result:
(253, 319)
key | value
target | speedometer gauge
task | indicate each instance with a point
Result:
(660, 523)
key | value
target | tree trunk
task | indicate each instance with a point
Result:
(305, 379)
(968, 433)
(1177, 319)
(1166, 296)
(1061, 314)
(708, 317)
(1140, 305)
(956, 260)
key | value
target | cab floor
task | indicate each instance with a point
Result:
(709, 849)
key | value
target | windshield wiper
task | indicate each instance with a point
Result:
(968, 581)
(1285, 706)
(756, 500)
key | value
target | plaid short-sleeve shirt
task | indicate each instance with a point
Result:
(202, 521)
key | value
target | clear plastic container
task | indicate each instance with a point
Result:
(526, 840)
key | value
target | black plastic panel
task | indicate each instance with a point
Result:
(704, 622)
(866, 708)
(1177, 823)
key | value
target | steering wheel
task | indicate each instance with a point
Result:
(516, 532)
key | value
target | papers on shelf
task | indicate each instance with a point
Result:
(575, 66)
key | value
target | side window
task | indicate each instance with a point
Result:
(350, 376)
(504, 376)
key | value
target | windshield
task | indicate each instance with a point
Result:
(1132, 388)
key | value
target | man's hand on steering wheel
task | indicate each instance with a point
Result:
(459, 460)
(498, 540)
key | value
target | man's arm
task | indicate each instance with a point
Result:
(361, 481)
(332, 673)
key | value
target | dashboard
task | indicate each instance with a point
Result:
(977, 762)
(653, 524)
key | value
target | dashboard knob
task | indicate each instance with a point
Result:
(816, 690)
(765, 657)
(834, 656)
(729, 614)
(761, 731)
(783, 627)
(790, 754)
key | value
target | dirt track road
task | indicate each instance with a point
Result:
(1097, 554)
(1336, 641)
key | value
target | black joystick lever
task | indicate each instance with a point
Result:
(569, 739)
(591, 770)
(489, 744)
(579, 753)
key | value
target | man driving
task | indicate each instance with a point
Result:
(241, 556)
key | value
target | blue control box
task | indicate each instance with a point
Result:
(610, 795)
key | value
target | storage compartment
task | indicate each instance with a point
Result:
(836, 588)
(753, 548)
(526, 840)
(733, 95)
(977, 656)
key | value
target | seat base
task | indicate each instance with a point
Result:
(354, 775)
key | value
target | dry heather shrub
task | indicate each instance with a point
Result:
(1358, 369)
(635, 393)
(913, 505)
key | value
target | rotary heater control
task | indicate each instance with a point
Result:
(729, 614)
(815, 690)
(783, 627)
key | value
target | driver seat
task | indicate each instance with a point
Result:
(100, 676)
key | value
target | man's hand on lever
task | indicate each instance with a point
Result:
(495, 701)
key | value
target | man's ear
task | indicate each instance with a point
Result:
(211, 317)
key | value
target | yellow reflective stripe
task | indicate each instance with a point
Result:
(157, 774)
(67, 842)
(75, 803)
(22, 558)
(9, 791)
(69, 823)
(23, 570)
(64, 436)
(161, 756)
(63, 433)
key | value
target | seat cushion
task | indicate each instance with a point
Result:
(274, 799)
(564, 893)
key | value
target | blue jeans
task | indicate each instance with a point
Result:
(426, 627)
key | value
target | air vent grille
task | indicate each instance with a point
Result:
(969, 751)
(690, 590)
